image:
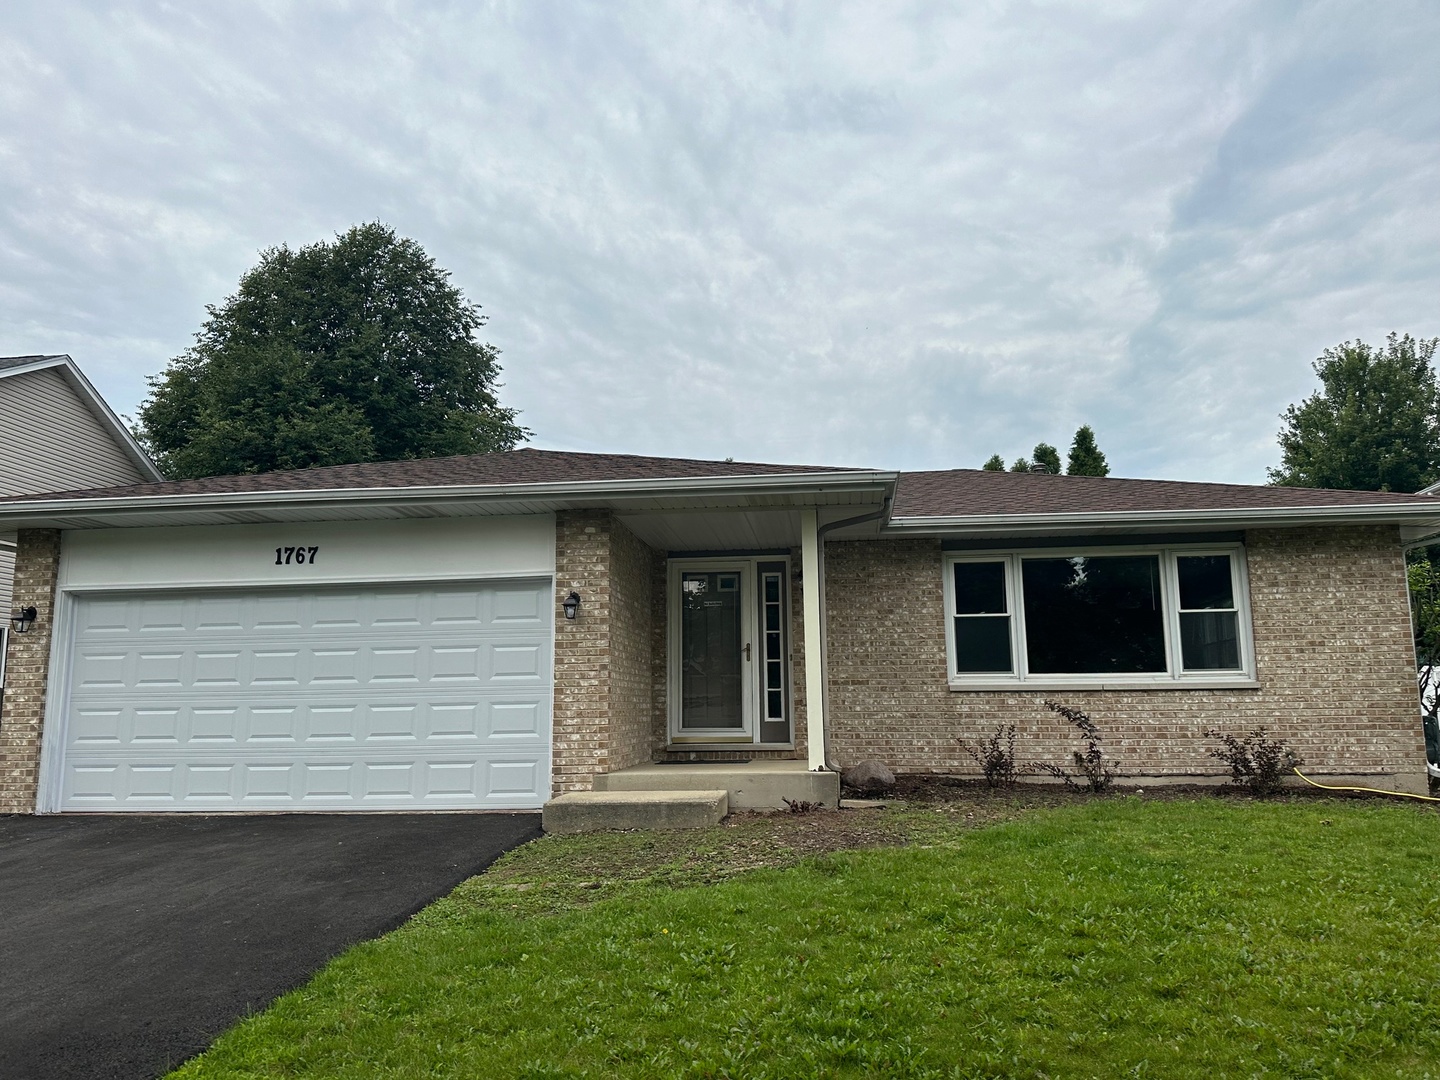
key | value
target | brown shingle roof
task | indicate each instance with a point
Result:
(525, 466)
(953, 492)
(958, 492)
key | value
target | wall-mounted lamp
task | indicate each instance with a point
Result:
(23, 620)
(571, 604)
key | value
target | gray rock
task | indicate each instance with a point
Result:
(873, 777)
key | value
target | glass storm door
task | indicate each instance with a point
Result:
(732, 680)
(712, 643)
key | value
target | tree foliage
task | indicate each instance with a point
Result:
(356, 350)
(1046, 455)
(1424, 578)
(1085, 457)
(1374, 425)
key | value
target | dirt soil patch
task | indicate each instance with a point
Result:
(557, 873)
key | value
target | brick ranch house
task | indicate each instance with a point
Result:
(396, 635)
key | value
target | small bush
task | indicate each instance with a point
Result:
(1257, 761)
(996, 756)
(1091, 762)
(801, 806)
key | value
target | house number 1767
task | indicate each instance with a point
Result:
(301, 555)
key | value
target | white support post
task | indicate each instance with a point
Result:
(812, 590)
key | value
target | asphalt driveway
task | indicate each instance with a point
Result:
(128, 942)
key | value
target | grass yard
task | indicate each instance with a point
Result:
(1121, 936)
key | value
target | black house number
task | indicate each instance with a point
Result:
(295, 555)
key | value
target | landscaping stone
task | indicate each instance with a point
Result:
(872, 777)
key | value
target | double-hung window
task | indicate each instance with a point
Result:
(1137, 617)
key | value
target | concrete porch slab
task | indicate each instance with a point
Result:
(757, 785)
(592, 811)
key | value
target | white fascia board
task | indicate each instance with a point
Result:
(581, 494)
(97, 406)
(1248, 517)
(57, 360)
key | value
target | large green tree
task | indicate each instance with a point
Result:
(1086, 458)
(359, 349)
(1374, 424)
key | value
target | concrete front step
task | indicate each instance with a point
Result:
(757, 785)
(592, 811)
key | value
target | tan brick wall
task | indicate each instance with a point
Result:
(603, 671)
(1333, 652)
(27, 666)
(632, 573)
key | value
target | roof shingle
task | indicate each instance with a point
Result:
(959, 492)
(947, 493)
(525, 466)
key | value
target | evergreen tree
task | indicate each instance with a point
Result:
(1047, 455)
(995, 464)
(1085, 457)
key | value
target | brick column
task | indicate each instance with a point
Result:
(27, 667)
(582, 650)
(603, 658)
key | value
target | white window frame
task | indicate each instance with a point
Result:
(1173, 678)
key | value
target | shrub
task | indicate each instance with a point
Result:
(801, 806)
(1091, 762)
(996, 756)
(1257, 761)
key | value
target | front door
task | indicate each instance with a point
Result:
(730, 652)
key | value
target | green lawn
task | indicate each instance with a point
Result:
(1105, 938)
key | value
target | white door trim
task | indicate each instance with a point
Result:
(748, 567)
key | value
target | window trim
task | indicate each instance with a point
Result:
(1175, 677)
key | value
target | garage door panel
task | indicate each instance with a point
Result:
(519, 607)
(514, 778)
(386, 698)
(317, 664)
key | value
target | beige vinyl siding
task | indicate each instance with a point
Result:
(7, 572)
(50, 441)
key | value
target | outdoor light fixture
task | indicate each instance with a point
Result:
(23, 619)
(571, 604)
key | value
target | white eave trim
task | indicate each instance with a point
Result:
(1247, 517)
(589, 493)
(97, 406)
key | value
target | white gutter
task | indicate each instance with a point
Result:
(777, 483)
(1246, 516)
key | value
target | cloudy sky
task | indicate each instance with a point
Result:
(907, 235)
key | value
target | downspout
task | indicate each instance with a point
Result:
(882, 514)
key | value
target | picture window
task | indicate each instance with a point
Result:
(1133, 616)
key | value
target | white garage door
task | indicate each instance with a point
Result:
(434, 697)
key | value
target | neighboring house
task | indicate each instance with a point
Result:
(395, 635)
(57, 434)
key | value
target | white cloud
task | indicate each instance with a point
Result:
(818, 232)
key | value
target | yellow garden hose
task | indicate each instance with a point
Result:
(1370, 790)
